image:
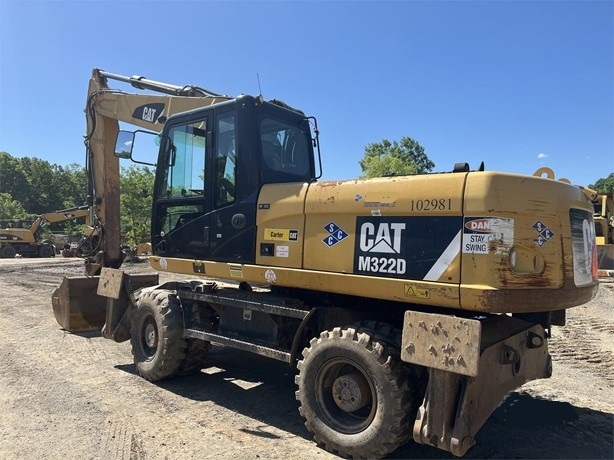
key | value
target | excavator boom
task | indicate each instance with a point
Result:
(105, 109)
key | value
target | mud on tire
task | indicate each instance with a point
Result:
(353, 391)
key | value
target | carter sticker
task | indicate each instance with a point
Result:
(280, 234)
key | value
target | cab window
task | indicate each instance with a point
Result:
(225, 161)
(285, 148)
(186, 173)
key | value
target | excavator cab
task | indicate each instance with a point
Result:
(211, 166)
(215, 153)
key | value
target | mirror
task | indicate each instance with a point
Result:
(123, 145)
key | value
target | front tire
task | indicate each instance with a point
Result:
(354, 392)
(8, 252)
(157, 340)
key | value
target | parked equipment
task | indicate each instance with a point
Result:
(28, 241)
(411, 305)
(604, 230)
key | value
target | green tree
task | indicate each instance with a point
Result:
(13, 180)
(42, 187)
(387, 158)
(71, 184)
(604, 185)
(10, 208)
(136, 184)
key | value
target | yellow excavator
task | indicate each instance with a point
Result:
(28, 241)
(410, 305)
(604, 230)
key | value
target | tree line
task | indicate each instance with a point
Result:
(31, 186)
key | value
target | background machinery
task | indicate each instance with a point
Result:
(28, 241)
(604, 230)
(410, 305)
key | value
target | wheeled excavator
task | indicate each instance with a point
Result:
(603, 215)
(28, 241)
(410, 305)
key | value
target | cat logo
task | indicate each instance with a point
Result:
(386, 238)
(379, 248)
(150, 112)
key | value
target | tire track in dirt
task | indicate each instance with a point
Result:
(121, 440)
(587, 339)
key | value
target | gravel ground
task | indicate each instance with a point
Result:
(77, 396)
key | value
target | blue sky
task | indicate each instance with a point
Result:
(518, 85)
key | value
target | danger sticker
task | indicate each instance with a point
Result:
(484, 235)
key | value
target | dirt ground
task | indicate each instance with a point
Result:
(64, 395)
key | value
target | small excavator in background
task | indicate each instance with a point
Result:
(410, 305)
(604, 230)
(28, 241)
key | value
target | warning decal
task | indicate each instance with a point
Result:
(484, 235)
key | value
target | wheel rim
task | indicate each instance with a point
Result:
(149, 336)
(346, 396)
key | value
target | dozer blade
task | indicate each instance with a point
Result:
(78, 308)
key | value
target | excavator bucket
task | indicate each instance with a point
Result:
(78, 308)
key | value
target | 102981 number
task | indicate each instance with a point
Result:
(431, 204)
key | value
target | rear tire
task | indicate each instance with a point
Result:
(354, 393)
(195, 355)
(47, 250)
(8, 252)
(157, 340)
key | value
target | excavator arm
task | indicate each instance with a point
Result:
(105, 108)
(75, 303)
(58, 216)
(66, 214)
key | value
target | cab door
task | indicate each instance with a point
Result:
(180, 224)
(204, 208)
(232, 218)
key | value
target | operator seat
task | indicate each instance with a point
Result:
(272, 155)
